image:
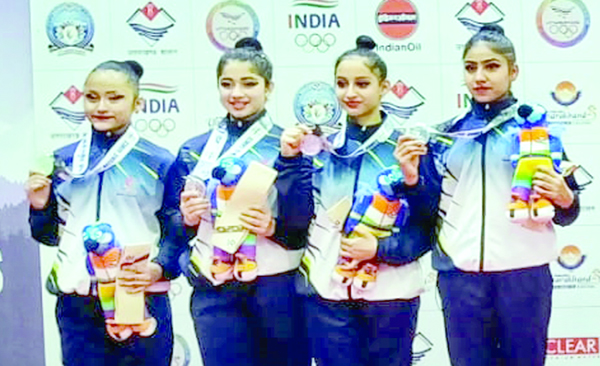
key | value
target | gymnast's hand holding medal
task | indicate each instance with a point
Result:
(315, 106)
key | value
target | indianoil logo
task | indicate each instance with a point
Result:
(397, 19)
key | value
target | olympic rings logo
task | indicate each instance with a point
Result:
(315, 41)
(234, 34)
(564, 29)
(160, 127)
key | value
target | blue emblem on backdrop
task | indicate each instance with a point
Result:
(70, 27)
(316, 104)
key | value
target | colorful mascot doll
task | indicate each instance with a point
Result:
(104, 255)
(533, 146)
(379, 211)
(242, 264)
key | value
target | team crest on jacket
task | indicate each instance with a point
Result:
(70, 27)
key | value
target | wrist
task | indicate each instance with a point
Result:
(156, 271)
(567, 201)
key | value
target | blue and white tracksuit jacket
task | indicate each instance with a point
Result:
(128, 196)
(399, 275)
(474, 233)
(277, 254)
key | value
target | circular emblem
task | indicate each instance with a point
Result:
(181, 352)
(563, 23)
(70, 25)
(316, 104)
(397, 19)
(566, 93)
(571, 257)
(229, 22)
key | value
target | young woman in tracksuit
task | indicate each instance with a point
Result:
(494, 277)
(239, 320)
(347, 324)
(111, 176)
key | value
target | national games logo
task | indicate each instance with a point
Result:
(229, 22)
(571, 257)
(151, 23)
(478, 13)
(397, 19)
(563, 23)
(68, 106)
(407, 102)
(70, 28)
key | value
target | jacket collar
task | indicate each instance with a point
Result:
(489, 111)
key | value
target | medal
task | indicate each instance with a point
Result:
(195, 184)
(315, 105)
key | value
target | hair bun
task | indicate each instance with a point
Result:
(492, 28)
(249, 42)
(365, 43)
(136, 67)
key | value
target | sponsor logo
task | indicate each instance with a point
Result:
(182, 355)
(318, 28)
(397, 19)
(571, 257)
(151, 23)
(421, 346)
(68, 105)
(478, 13)
(316, 103)
(230, 21)
(566, 95)
(70, 29)
(563, 23)
(572, 346)
(159, 107)
(407, 101)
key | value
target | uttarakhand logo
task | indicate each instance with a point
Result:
(563, 23)
(407, 102)
(571, 257)
(478, 13)
(316, 104)
(69, 107)
(70, 28)
(397, 19)
(151, 23)
(566, 93)
(229, 22)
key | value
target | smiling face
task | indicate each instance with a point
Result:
(110, 100)
(360, 90)
(488, 74)
(243, 91)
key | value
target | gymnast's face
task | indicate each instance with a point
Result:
(110, 100)
(488, 74)
(359, 89)
(243, 92)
